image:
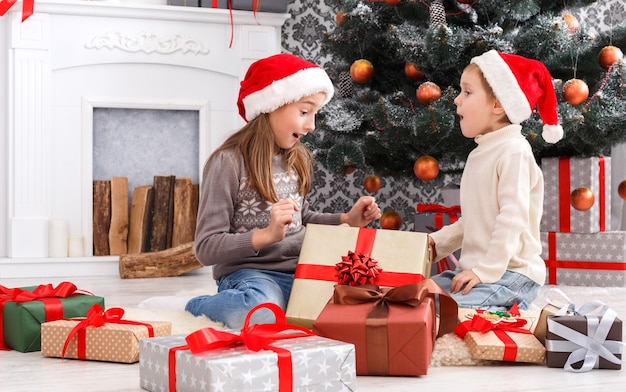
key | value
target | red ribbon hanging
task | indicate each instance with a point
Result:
(96, 317)
(501, 329)
(256, 5)
(364, 245)
(28, 7)
(49, 295)
(255, 337)
(452, 212)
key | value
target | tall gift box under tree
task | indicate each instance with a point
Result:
(23, 310)
(262, 357)
(393, 329)
(564, 175)
(432, 217)
(585, 259)
(332, 255)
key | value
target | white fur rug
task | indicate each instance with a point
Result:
(449, 350)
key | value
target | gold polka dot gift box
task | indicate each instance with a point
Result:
(101, 336)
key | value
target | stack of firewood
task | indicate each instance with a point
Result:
(156, 238)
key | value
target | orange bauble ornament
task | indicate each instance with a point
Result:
(413, 72)
(339, 17)
(621, 189)
(371, 184)
(609, 55)
(391, 220)
(361, 71)
(582, 198)
(572, 23)
(427, 92)
(575, 91)
(426, 168)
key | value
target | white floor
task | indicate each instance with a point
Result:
(31, 372)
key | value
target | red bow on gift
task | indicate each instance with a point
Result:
(47, 294)
(28, 7)
(97, 317)
(255, 337)
(357, 269)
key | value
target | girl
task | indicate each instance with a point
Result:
(253, 207)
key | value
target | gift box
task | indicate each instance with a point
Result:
(210, 360)
(184, 3)
(580, 343)
(561, 177)
(501, 336)
(585, 259)
(23, 310)
(393, 330)
(432, 217)
(333, 255)
(102, 336)
(556, 301)
(278, 6)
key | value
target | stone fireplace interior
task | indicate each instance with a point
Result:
(72, 58)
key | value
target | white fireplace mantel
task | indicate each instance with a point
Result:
(72, 56)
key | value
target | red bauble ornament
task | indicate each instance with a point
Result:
(582, 198)
(372, 184)
(572, 23)
(575, 91)
(361, 71)
(427, 92)
(426, 168)
(413, 72)
(348, 170)
(621, 189)
(609, 55)
(392, 2)
(391, 220)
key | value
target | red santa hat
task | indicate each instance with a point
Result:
(521, 84)
(278, 80)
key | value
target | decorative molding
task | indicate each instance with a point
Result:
(146, 42)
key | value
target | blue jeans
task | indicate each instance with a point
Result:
(239, 292)
(501, 295)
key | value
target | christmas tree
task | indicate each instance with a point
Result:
(397, 65)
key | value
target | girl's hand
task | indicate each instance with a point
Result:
(281, 216)
(466, 278)
(363, 212)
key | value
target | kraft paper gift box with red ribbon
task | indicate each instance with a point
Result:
(23, 310)
(585, 259)
(277, 6)
(269, 357)
(432, 217)
(332, 255)
(589, 338)
(101, 336)
(561, 177)
(501, 336)
(393, 330)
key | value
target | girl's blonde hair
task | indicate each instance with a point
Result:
(256, 144)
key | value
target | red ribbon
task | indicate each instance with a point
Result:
(28, 7)
(97, 317)
(255, 337)
(552, 263)
(256, 5)
(501, 329)
(438, 209)
(47, 294)
(364, 244)
(564, 194)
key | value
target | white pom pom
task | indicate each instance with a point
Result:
(552, 133)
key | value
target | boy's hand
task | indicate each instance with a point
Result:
(466, 278)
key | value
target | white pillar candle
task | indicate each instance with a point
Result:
(57, 238)
(75, 246)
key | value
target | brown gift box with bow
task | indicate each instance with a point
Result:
(387, 258)
(393, 330)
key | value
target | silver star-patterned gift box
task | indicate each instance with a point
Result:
(318, 364)
(585, 259)
(561, 177)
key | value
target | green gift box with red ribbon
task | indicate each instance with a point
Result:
(23, 310)
(271, 357)
(332, 255)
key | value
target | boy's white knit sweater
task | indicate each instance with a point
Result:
(501, 207)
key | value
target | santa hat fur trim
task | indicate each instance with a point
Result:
(521, 84)
(278, 80)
